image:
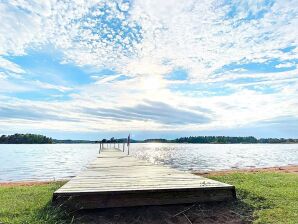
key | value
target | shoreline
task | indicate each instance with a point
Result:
(30, 183)
(275, 169)
(261, 192)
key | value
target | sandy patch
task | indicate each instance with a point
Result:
(26, 183)
(280, 169)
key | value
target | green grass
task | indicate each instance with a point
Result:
(264, 197)
(30, 204)
(272, 197)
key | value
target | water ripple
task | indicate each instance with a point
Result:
(60, 161)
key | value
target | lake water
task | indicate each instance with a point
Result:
(60, 161)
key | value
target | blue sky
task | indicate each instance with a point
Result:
(88, 70)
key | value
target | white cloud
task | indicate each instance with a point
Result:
(10, 66)
(105, 79)
(195, 35)
(154, 38)
(286, 65)
(10, 87)
(22, 24)
(43, 85)
(2, 75)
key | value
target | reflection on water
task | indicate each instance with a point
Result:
(217, 156)
(58, 161)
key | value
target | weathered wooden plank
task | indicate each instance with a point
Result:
(116, 180)
(87, 200)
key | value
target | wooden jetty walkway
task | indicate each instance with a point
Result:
(116, 179)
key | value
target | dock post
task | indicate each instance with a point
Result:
(123, 146)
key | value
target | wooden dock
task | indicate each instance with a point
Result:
(116, 179)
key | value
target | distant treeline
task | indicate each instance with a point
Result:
(208, 140)
(69, 141)
(223, 140)
(119, 140)
(41, 139)
(36, 139)
(25, 139)
(216, 139)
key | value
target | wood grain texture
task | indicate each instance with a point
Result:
(115, 179)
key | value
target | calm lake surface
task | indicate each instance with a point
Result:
(60, 161)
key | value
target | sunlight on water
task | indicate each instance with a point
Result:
(217, 156)
(60, 161)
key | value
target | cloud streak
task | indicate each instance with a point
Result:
(152, 111)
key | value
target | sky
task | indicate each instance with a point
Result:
(97, 69)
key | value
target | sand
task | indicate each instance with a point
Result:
(277, 169)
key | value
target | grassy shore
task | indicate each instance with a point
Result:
(270, 197)
(263, 197)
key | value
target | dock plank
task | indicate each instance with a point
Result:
(115, 179)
